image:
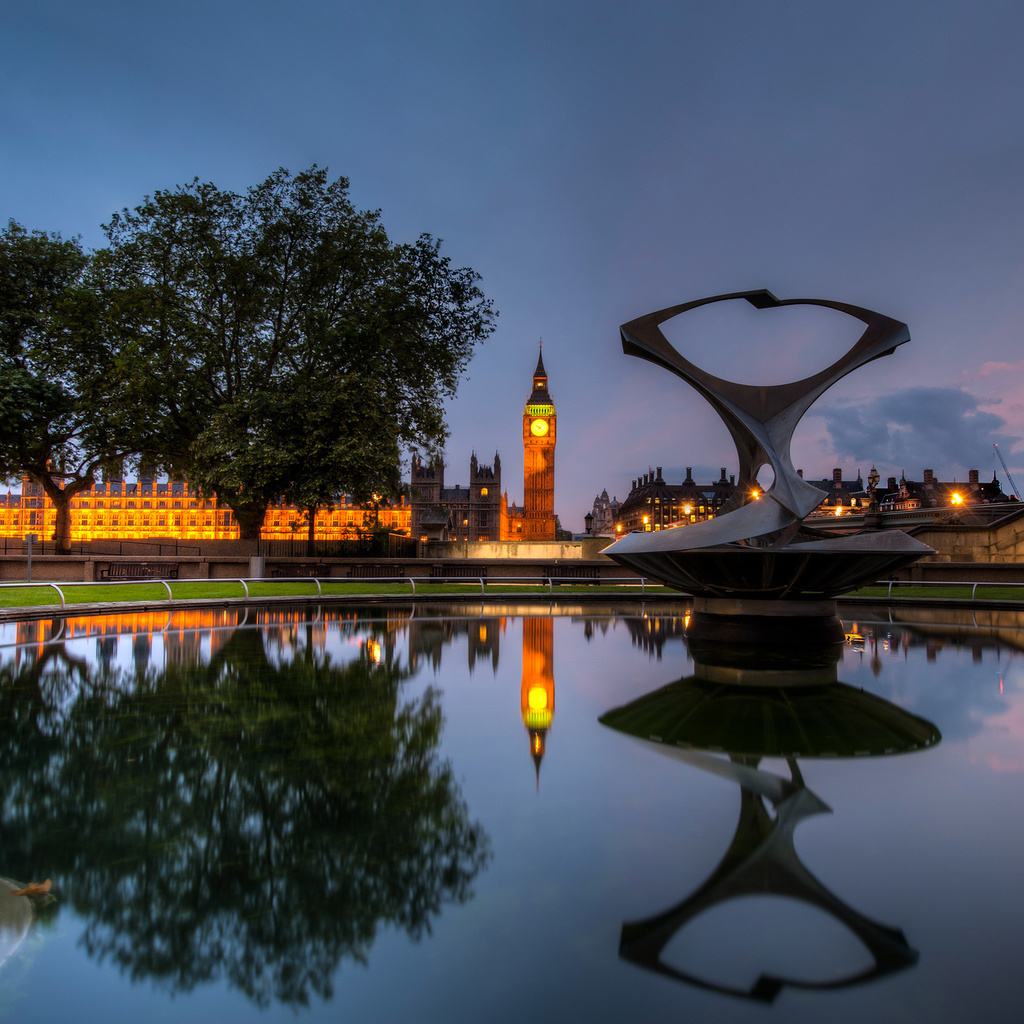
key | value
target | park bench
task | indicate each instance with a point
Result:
(569, 574)
(443, 572)
(376, 572)
(140, 571)
(307, 570)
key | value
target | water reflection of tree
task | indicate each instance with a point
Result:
(237, 819)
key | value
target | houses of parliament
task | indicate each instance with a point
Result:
(116, 509)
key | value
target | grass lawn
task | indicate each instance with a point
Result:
(29, 596)
(908, 591)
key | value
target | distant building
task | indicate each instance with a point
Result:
(840, 492)
(473, 512)
(141, 509)
(604, 511)
(932, 493)
(481, 511)
(652, 504)
(535, 519)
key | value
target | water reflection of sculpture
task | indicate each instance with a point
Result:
(240, 819)
(786, 711)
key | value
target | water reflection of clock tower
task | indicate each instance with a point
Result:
(539, 422)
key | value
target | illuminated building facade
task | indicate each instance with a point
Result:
(652, 504)
(147, 508)
(535, 520)
(481, 511)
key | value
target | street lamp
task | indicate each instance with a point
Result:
(588, 521)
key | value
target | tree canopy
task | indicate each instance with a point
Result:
(278, 343)
(58, 397)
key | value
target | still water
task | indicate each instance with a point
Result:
(398, 814)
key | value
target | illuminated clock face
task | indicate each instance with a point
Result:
(539, 428)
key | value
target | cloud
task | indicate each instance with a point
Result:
(949, 430)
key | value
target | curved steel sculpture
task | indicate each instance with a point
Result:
(759, 549)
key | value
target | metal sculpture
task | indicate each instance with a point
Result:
(760, 549)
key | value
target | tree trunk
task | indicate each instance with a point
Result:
(249, 516)
(60, 498)
(311, 531)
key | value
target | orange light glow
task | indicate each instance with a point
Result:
(138, 511)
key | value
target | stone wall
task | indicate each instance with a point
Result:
(998, 543)
(537, 551)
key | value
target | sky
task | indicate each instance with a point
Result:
(594, 162)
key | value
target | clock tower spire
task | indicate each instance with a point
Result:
(539, 434)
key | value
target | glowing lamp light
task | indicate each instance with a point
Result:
(839, 510)
(537, 698)
(755, 494)
(958, 499)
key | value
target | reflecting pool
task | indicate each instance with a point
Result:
(485, 813)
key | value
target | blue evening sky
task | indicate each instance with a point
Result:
(593, 162)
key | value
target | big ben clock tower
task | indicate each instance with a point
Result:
(539, 459)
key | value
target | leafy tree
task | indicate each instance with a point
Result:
(279, 343)
(58, 420)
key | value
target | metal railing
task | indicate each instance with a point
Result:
(959, 585)
(523, 581)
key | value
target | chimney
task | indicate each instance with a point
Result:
(972, 478)
(929, 477)
(837, 477)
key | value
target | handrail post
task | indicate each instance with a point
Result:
(245, 587)
(60, 593)
(319, 589)
(974, 590)
(481, 579)
(412, 583)
(167, 587)
(643, 586)
(888, 596)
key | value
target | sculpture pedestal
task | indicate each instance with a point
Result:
(796, 623)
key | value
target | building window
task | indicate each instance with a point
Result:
(483, 492)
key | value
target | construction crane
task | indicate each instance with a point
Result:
(1002, 461)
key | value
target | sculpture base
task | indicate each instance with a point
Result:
(725, 620)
